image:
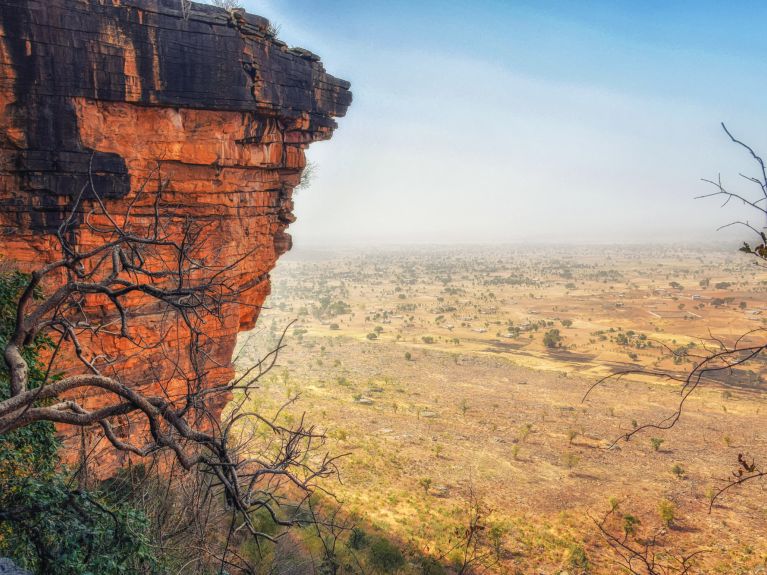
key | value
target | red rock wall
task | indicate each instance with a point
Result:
(120, 88)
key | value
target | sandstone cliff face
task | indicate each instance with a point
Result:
(115, 90)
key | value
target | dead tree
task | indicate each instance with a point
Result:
(470, 544)
(720, 358)
(186, 8)
(150, 258)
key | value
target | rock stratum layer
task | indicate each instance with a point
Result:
(117, 91)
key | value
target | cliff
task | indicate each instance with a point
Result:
(117, 91)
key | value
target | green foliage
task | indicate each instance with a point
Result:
(386, 556)
(358, 539)
(430, 566)
(425, 483)
(667, 512)
(571, 459)
(54, 530)
(578, 558)
(46, 525)
(32, 449)
(630, 524)
(496, 535)
(552, 338)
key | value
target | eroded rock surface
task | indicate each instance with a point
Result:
(123, 90)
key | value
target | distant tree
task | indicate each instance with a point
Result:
(425, 483)
(667, 512)
(552, 338)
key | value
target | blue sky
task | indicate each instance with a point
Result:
(496, 121)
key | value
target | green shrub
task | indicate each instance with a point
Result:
(358, 539)
(425, 483)
(552, 338)
(578, 558)
(667, 512)
(630, 524)
(386, 556)
(46, 525)
(430, 566)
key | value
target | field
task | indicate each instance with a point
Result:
(454, 378)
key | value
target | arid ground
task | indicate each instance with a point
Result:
(430, 368)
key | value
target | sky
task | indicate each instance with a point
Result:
(544, 122)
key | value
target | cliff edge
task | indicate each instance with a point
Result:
(119, 93)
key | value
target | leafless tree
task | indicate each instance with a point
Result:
(719, 358)
(186, 8)
(756, 202)
(150, 260)
(470, 544)
(329, 526)
(716, 363)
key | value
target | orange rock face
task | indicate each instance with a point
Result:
(128, 92)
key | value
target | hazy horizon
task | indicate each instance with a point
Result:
(487, 122)
(323, 249)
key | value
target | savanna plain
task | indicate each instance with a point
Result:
(458, 383)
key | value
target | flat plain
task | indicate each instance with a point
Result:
(455, 377)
